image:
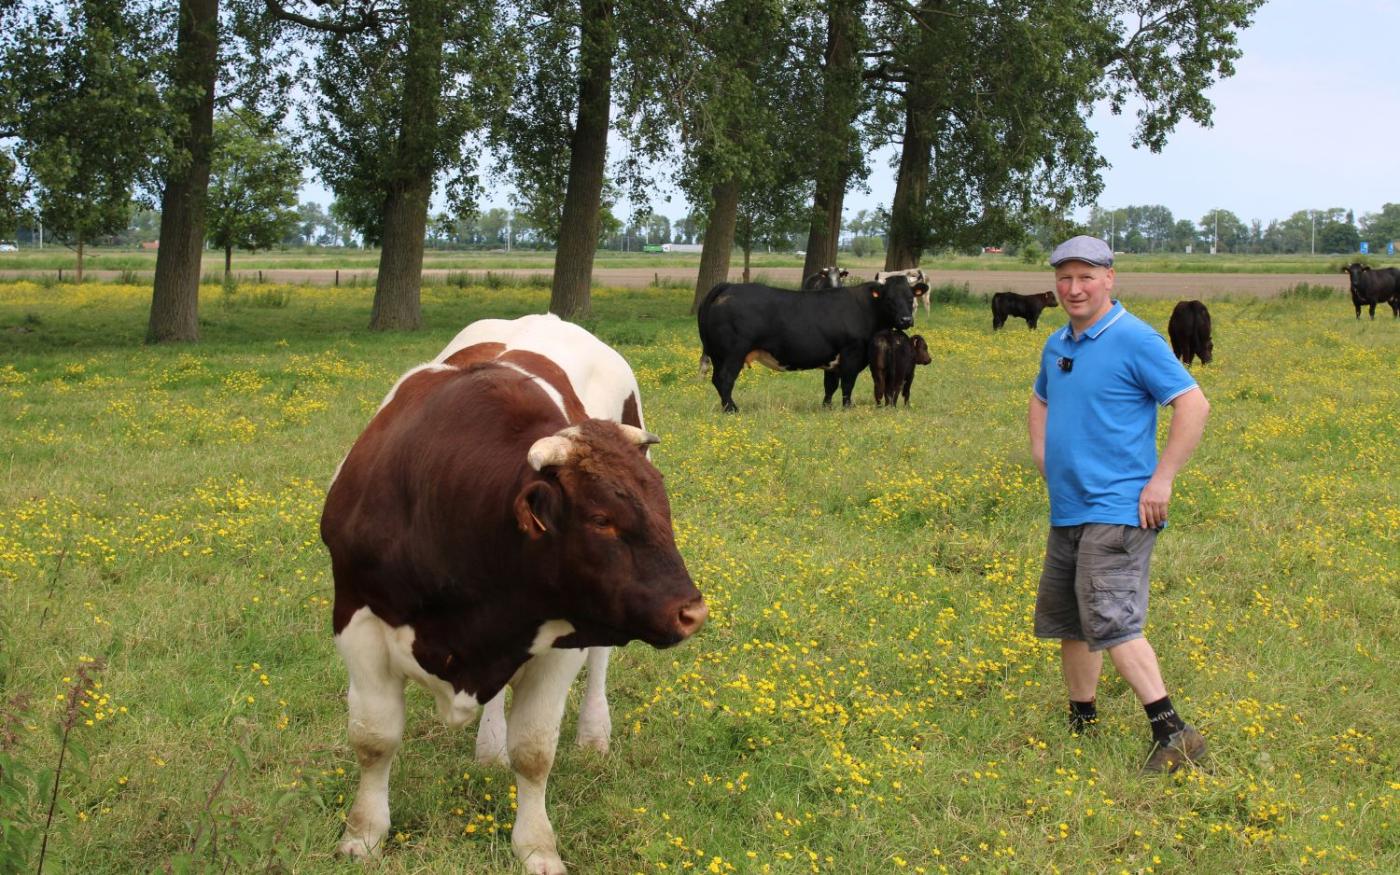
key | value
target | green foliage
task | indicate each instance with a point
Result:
(253, 186)
(396, 101)
(81, 77)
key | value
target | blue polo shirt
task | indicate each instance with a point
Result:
(1101, 425)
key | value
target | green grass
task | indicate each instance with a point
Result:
(867, 697)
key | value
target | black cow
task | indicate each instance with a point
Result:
(1027, 307)
(893, 355)
(826, 278)
(797, 331)
(1374, 286)
(1189, 330)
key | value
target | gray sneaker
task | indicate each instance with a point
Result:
(1183, 747)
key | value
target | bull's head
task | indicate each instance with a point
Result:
(599, 506)
(894, 300)
(1355, 270)
(1048, 298)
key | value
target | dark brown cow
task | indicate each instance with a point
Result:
(479, 535)
(893, 355)
(1189, 330)
(1027, 307)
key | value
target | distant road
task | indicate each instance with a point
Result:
(1141, 285)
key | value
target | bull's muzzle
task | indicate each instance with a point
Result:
(691, 617)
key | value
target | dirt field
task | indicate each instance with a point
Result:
(1142, 285)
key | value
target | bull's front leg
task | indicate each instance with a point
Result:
(376, 723)
(540, 689)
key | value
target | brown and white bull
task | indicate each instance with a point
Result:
(482, 530)
(607, 388)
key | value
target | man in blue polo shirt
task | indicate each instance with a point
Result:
(1093, 430)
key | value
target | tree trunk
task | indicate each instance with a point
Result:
(748, 250)
(398, 288)
(228, 262)
(908, 222)
(825, 231)
(571, 294)
(80, 261)
(841, 89)
(175, 297)
(718, 241)
(397, 291)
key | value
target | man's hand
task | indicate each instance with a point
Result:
(1152, 503)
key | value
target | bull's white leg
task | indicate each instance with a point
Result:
(594, 721)
(491, 733)
(376, 729)
(540, 688)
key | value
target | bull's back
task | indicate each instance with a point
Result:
(597, 373)
(801, 330)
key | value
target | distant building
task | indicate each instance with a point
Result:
(150, 244)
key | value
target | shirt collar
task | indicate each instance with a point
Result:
(1114, 313)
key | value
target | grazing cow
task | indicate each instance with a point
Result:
(482, 530)
(1026, 307)
(1370, 287)
(893, 355)
(915, 277)
(826, 278)
(608, 389)
(797, 331)
(1189, 330)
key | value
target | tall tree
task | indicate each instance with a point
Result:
(253, 185)
(175, 296)
(399, 88)
(86, 114)
(1003, 130)
(834, 140)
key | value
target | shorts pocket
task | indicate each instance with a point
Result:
(1115, 608)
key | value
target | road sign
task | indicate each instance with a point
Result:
(1390, 248)
(1365, 247)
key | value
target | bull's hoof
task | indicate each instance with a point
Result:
(731, 407)
(541, 862)
(359, 848)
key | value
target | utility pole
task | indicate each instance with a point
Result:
(1312, 221)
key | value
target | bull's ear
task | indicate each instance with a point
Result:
(874, 293)
(537, 509)
(920, 289)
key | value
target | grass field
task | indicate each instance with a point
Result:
(56, 257)
(866, 698)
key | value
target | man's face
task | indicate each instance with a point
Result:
(1085, 291)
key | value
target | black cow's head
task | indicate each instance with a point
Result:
(894, 300)
(1356, 270)
(599, 507)
(1048, 298)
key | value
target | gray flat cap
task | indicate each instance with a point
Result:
(1082, 248)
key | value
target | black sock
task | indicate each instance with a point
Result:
(1163, 719)
(1082, 715)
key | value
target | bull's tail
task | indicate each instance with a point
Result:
(701, 314)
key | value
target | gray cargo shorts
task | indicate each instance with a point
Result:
(1094, 586)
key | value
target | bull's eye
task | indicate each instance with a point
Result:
(603, 524)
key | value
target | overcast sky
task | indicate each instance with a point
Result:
(1310, 120)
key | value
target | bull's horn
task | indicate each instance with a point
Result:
(638, 436)
(552, 450)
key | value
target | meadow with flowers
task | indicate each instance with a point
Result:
(867, 696)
